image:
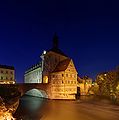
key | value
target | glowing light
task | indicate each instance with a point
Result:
(45, 79)
(6, 116)
(105, 74)
(44, 52)
(13, 82)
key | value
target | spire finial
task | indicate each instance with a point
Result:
(55, 41)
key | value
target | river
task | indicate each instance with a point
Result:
(33, 108)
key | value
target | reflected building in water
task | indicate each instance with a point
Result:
(57, 70)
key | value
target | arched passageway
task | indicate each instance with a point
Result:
(37, 93)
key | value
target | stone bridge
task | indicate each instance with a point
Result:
(34, 89)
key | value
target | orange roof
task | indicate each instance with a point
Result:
(62, 66)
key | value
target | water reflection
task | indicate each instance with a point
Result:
(29, 108)
(33, 108)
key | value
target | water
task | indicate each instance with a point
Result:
(33, 108)
(29, 108)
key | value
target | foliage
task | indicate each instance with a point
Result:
(94, 90)
(108, 82)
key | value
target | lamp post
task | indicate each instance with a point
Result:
(42, 63)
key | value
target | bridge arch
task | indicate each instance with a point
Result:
(37, 93)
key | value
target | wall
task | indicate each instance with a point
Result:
(34, 76)
(64, 83)
(7, 76)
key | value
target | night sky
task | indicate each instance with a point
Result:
(88, 32)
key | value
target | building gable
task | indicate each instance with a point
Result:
(71, 68)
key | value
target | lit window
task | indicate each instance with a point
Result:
(45, 79)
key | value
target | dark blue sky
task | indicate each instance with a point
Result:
(88, 31)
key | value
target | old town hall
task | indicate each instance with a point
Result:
(56, 69)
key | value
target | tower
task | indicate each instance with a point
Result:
(55, 41)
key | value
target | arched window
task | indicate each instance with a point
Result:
(45, 79)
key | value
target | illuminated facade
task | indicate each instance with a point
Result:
(64, 80)
(7, 74)
(57, 70)
(84, 84)
(33, 74)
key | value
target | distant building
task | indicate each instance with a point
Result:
(33, 74)
(7, 74)
(56, 69)
(84, 84)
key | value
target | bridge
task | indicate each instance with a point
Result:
(33, 89)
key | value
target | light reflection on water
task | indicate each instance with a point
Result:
(33, 108)
(29, 108)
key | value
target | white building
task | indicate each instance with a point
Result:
(34, 74)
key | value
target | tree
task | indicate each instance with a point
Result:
(108, 82)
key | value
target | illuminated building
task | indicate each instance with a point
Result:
(7, 74)
(64, 80)
(33, 74)
(57, 70)
(84, 84)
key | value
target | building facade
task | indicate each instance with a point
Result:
(84, 84)
(57, 70)
(7, 74)
(64, 80)
(33, 74)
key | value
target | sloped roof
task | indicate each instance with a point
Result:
(33, 67)
(57, 50)
(7, 67)
(62, 66)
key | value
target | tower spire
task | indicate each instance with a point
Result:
(55, 41)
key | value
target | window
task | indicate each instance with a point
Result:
(6, 72)
(62, 75)
(66, 75)
(1, 78)
(45, 79)
(11, 78)
(55, 60)
(11, 72)
(1, 71)
(6, 78)
(74, 82)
